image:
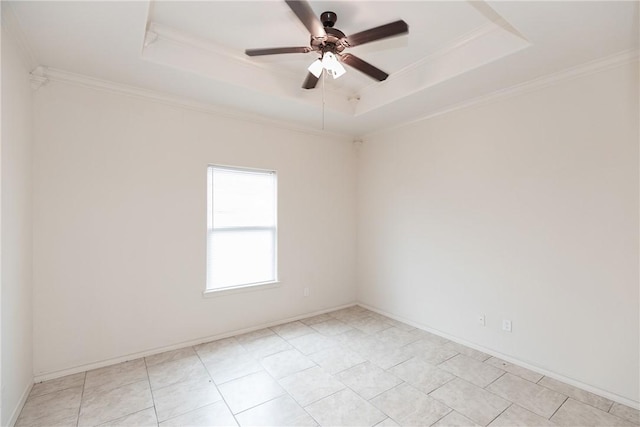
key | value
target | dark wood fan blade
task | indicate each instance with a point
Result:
(378, 33)
(310, 82)
(365, 67)
(305, 14)
(276, 50)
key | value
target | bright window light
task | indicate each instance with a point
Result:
(242, 231)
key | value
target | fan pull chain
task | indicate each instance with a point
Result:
(323, 75)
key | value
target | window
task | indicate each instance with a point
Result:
(242, 231)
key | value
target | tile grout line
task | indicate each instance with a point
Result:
(579, 400)
(216, 386)
(153, 399)
(81, 398)
(502, 412)
(501, 375)
(442, 417)
(558, 408)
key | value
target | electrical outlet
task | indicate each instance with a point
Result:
(306, 292)
(481, 320)
(506, 325)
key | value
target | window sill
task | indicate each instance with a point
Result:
(214, 293)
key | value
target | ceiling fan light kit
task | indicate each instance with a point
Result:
(330, 42)
(329, 63)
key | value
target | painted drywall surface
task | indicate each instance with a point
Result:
(524, 209)
(17, 114)
(120, 224)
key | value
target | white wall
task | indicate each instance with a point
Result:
(120, 224)
(16, 241)
(523, 209)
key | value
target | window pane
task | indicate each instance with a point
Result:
(241, 257)
(242, 199)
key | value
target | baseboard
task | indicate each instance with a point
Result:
(20, 405)
(112, 361)
(595, 390)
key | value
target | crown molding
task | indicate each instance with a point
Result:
(11, 24)
(46, 74)
(591, 67)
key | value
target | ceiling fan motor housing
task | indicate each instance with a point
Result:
(333, 41)
(328, 18)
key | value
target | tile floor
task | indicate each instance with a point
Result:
(351, 367)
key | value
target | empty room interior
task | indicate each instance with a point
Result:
(320, 213)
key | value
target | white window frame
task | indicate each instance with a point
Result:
(219, 291)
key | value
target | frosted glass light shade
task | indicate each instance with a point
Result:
(316, 68)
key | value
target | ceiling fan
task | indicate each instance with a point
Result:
(330, 42)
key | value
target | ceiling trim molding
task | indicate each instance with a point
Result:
(164, 32)
(62, 76)
(591, 67)
(11, 23)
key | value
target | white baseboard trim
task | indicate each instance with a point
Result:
(107, 362)
(20, 405)
(556, 376)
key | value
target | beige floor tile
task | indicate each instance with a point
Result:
(396, 337)
(422, 375)
(388, 358)
(285, 363)
(345, 408)
(229, 369)
(379, 316)
(388, 422)
(574, 413)
(331, 327)
(471, 370)
(517, 416)
(311, 385)
(281, 411)
(400, 325)
(114, 376)
(214, 415)
(369, 325)
(583, 396)
(368, 380)
(144, 418)
(180, 398)
(408, 406)
(292, 330)
(99, 407)
(468, 351)
(312, 343)
(253, 335)
(349, 313)
(471, 401)
(316, 319)
(55, 408)
(625, 412)
(429, 352)
(353, 338)
(533, 397)
(71, 421)
(527, 374)
(58, 384)
(266, 346)
(219, 350)
(250, 391)
(430, 338)
(180, 370)
(170, 356)
(336, 359)
(455, 419)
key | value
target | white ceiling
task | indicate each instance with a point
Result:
(455, 51)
